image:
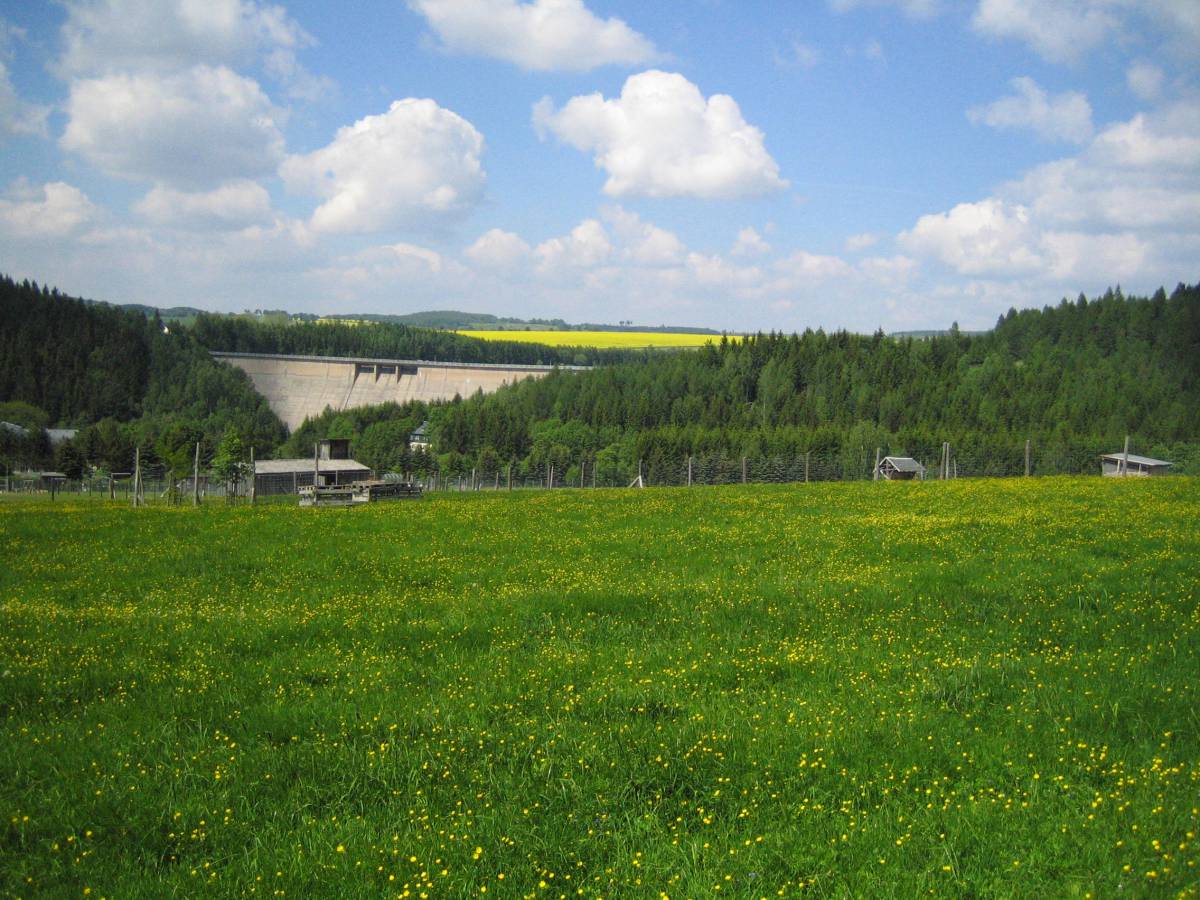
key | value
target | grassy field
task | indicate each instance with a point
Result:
(604, 340)
(981, 688)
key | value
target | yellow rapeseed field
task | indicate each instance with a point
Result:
(630, 340)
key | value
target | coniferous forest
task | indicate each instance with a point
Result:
(1078, 375)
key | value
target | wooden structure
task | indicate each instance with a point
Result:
(900, 468)
(288, 476)
(1120, 464)
(358, 492)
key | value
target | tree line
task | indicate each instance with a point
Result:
(1077, 376)
(123, 378)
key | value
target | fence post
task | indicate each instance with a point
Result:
(1027, 457)
(474, 486)
(497, 487)
(641, 480)
(689, 462)
(550, 478)
(807, 454)
(1125, 459)
(875, 471)
(316, 472)
(743, 470)
(510, 476)
(137, 473)
(253, 479)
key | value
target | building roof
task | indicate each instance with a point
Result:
(421, 432)
(903, 463)
(1136, 460)
(287, 466)
(58, 435)
(15, 429)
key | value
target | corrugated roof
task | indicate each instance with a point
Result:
(286, 466)
(903, 463)
(1137, 460)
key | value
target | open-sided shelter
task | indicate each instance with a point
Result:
(900, 468)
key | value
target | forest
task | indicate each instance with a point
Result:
(123, 377)
(387, 340)
(1078, 376)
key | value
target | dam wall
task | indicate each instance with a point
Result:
(300, 387)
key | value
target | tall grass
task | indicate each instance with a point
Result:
(964, 688)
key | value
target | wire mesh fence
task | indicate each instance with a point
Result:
(153, 483)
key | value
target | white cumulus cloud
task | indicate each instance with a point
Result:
(543, 35)
(104, 37)
(193, 129)
(1054, 117)
(990, 237)
(234, 204)
(662, 138)
(498, 249)
(411, 166)
(53, 210)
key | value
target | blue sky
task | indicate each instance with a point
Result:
(741, 165)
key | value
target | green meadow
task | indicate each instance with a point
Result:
(980, 688)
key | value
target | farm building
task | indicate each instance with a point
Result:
(419, 439)
(333, 467)
(1113, 464)
(900, 468)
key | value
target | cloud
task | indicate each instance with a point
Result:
(643, 243)
(661, 138)
(1059, 117)
(1058, 30)
(587, 245)
(990, 237)
(234, 204)
(1127, 206)
(1145, 80)
(54, 210)
(193, 130)
(857, 242)
(543, 35)
(18, 118)
(105, 37)
(498, 249)
(798, 55)
(914, 9)
(749, 243)
(413, 166)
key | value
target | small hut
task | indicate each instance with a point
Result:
(1114, 464)
(900, 468)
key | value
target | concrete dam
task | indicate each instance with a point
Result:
(300, 387)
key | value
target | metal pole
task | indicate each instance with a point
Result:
(1125, 458)
(689, 462)
(510, 476)
(743, 470)
(196, 477)
(316, 472)
(1027, 457)
(137, 473)
(875, 471)
(807, 454)
(253, 479)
